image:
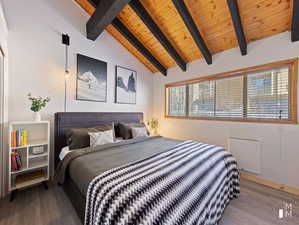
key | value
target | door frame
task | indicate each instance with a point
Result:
(2, 170)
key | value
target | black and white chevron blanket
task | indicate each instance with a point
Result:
(190, 183)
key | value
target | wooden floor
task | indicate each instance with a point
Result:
(257, 205)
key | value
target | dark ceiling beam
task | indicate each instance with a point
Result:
(93, 3)
(104, 14)
(295, 21)
(132, 39)
(153, 27)
(138, 45)
(187, 18)
(235, 15)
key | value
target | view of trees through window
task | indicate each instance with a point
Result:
(202, 99)
(253, 95)
(268, 94)
(177, 101)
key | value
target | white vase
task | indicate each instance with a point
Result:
(37, 117)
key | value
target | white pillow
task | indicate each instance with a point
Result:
(64, 151)
(101, 138)
(139, 132)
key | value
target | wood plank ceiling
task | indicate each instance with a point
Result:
(260, 19)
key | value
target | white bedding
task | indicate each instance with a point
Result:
(64, 152)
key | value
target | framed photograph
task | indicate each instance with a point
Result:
(91, 79)
(126, 85)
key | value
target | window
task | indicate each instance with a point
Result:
(268, 95)
(229, 97)
(177, 101)
(202, 99)
(264, 93)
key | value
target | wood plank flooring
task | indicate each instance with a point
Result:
(257, 205)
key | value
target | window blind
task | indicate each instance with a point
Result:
(202, 99)
(260, 94)
(229, 97)
(177, 101)
(268, 94)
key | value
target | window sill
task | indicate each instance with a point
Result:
(293, 121)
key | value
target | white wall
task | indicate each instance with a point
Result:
(280, 153)
(3, 96)
(37, 59)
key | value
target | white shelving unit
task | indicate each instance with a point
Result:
(38, 135)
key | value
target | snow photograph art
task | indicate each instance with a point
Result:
(91, 79)
(126, 81)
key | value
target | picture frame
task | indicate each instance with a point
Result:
(91, 80)
(125, 85)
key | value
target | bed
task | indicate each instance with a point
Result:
(150, 180)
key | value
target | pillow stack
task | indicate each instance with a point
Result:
(104, 134)
(79, 137)
(132, 130)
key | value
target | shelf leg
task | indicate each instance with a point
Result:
(12, 195)
(45, 185)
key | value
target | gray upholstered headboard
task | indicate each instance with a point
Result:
(68, 120)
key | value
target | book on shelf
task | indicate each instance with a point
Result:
(13, 162)
(16, 161)
(26, 177)
(13, 139)
(19, 138)
(19, 161)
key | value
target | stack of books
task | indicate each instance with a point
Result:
(28, 177)
(16, 161)
(19, 138)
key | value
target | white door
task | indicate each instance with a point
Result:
(1, 119)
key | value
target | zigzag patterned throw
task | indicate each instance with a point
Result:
(190, 183)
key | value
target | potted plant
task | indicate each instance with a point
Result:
(37, 103)
(153, 125)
